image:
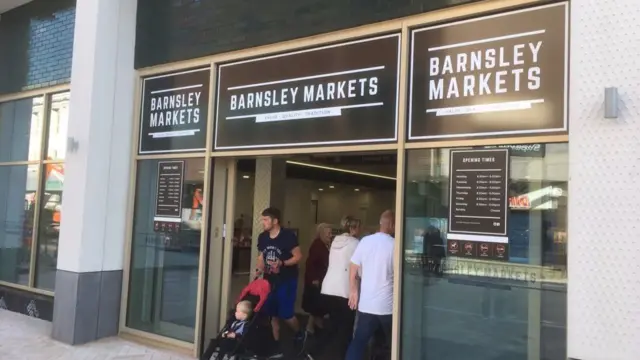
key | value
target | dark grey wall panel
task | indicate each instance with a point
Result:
(36, 42)
(87, 306)
(174, 30)
(27, 303)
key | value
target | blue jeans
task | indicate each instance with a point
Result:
(366, 327)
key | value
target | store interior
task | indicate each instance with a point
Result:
(320, 189)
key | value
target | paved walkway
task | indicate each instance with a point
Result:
(22, 337)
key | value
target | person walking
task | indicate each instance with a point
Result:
(278, 259)
(315, 270)
(335, 286)
(372, 295)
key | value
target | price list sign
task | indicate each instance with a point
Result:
(168, 215)
(478, 206)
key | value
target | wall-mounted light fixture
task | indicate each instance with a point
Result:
(611, 103)
(72, 145)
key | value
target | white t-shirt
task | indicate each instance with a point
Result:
(374, 255)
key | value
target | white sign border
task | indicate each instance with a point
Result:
(141, 120)
(494, 133)
(314, 143)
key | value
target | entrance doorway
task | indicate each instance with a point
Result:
(309, 190)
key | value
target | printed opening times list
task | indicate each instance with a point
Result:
(169, 196)
(478, 203)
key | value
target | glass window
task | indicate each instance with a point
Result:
(164, 265)
(49, 226)
(17, 203)
(464, 308)
(21, 129)
(58, 121)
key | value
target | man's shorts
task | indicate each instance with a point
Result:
(282, 299)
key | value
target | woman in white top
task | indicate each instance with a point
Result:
(335, 286)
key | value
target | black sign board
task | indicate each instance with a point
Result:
(478, 206)
(497, 75)
(168, 214)
(345, 93)
(174, 112)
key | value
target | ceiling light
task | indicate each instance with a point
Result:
(245, 176)
(331, 186)
(321, 189)
(340, 170)
(356, 189)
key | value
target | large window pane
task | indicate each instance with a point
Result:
(478, 309)
(58, 121)
(21, 129)
(49, 226)
(17, 204)
(164, 266)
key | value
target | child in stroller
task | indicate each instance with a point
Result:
(237, 339)
(247, 334)
(230, 339)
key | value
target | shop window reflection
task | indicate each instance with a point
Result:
(49, 226)
(21, 129)
(18, 186)
(164, 266)
(58, 123)
(459, 308)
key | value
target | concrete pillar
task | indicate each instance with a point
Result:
(604, 173)
(92, 240)
(269, 191)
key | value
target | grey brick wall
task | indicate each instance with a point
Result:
(174, 30)
(36, 43)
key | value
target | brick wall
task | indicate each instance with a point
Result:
(174, 30)
(36, 43)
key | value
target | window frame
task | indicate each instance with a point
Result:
(41, 162)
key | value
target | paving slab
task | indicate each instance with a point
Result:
(26, 338)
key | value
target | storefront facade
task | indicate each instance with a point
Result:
(34, 113)
(494, 111)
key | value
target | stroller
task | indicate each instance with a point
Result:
(257, 342)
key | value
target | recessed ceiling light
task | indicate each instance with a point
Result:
(356, 189)
(245, 176)
(331, 186)
(321, 189)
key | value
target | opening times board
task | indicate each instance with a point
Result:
(168, 212)
(478, 210)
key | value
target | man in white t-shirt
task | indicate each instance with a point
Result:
(373, 259)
